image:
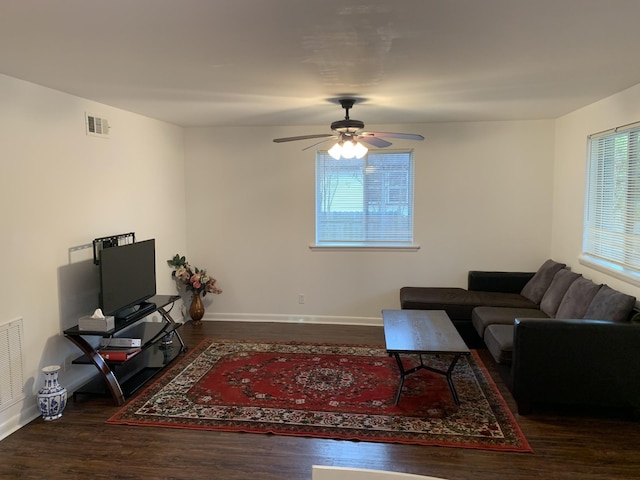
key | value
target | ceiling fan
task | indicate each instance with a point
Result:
(350, 136)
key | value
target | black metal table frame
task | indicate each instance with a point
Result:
(405, 373)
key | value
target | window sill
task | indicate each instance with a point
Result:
(376, 248)
(616, 271)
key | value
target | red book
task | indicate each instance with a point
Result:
(119, 355)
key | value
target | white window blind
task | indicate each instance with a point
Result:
(612, 204)
(365, 202)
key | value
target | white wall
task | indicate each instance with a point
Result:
(483, 200)
(61, 189)
(569, 176)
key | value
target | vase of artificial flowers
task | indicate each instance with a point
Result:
(197, 281)
(196, 309)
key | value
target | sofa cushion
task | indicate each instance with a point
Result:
(482, 317)
(497, 299)
(554, 294)
(576, 301)
(610, 304)
(457, 302)
(535, 288)
(499, 342)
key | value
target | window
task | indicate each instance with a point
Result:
(611, 238)
(365, 202)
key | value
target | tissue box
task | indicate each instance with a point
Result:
(96, 324)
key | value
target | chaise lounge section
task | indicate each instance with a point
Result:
(565, 339)
(484, 289)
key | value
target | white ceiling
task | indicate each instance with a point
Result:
(281, 62)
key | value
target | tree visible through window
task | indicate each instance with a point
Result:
(612, 204)
(365, 202)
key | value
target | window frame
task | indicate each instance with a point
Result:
(611, 228)
(387, 189)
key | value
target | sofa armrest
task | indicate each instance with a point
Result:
(579, 362)
(505, 282)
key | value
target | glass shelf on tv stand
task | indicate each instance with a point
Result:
(122, 379)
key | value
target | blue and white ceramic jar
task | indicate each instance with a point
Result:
(52, 398)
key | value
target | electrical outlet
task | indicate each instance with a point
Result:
(301, 298)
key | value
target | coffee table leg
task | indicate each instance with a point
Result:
(402, 375)
(450, 379)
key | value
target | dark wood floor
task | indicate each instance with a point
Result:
(591, 446)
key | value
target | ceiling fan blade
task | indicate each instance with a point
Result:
(406, 136)
(321, 141)
(302, 137)
(374, 141)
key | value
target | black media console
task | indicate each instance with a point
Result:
(123, 378)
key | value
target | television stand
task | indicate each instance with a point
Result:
(122, 378)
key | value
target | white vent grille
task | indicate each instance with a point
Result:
(11, 369)
(97, 126)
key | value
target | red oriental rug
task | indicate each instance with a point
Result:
(326, 391)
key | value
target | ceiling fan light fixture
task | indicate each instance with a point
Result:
(336, 151)
(360, 150)
(348, 149)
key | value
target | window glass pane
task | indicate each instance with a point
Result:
(366, 201)
(612, 204)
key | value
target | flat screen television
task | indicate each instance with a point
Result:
(127, 278)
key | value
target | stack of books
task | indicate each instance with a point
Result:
(119, 354)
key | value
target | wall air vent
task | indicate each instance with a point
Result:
(97, 126)
(11, 374)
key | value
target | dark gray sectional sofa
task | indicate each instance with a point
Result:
(567, 339)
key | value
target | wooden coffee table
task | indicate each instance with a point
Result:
(422, 332)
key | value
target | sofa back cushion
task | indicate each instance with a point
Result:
(578, 298)
(556, 291)
(609, 304)
(536, 287)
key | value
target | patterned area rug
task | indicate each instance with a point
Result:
(326, 391)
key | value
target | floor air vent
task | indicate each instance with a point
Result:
(11, 369)
(97, 126)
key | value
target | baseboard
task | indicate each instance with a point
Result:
(19, 420)
(284, 318)
(29, 410)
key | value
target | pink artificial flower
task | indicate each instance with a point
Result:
(199, 281)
